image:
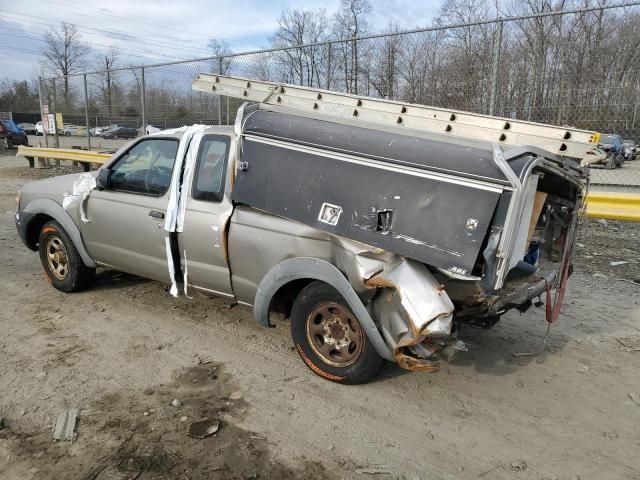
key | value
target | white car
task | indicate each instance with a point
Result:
(39, 128)
(96, 131)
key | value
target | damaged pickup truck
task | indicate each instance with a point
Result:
(376, 241)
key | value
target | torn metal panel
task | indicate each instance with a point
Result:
(412, 309)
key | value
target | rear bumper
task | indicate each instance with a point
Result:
(518, 293)
(474, 302)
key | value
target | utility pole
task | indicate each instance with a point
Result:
(86, 110)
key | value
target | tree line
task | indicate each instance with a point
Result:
(579, 69)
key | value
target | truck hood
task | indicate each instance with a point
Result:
(52, 188)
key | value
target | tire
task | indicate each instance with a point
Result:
(320, 313)
(62, 263)
(67, 134)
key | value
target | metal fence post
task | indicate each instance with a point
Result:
(328, 85)
(497, 50)
(143, 102)
(86, 110)
(55, 114)
(44, 131)
(220, 97)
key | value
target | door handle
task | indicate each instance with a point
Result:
(156, 214)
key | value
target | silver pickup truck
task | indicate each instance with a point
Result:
(376, 243)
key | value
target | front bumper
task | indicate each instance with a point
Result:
(23, 220)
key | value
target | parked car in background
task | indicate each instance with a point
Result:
(39, 128)
(28, 128)
(612, 144)
(69, 130)
(96, 131)
(148, 130)
(120, 132)
(630, 150)
(11, 134)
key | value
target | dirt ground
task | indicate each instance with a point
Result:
(124, 350)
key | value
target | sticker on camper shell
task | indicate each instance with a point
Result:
(329, 214)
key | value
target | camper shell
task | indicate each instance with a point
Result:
(467, 209)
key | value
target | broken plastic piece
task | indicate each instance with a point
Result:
(203, 428)
(64, 428)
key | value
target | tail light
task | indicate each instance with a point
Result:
(3, 129)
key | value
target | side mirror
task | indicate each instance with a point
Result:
(103, 180)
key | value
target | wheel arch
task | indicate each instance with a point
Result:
(294, 274)
(45, 210)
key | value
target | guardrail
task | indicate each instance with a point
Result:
(614, 206)
(86, 157)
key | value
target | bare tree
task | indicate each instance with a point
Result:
(106, 62)
(350, 22)
(220, 48)
(64, 53)
(297, 27)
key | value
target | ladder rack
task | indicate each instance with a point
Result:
(565, 141)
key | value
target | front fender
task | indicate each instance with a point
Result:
(316, 269)
(54, 210)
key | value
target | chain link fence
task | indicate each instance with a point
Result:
(565, 68)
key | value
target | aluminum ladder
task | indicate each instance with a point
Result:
(564, 141)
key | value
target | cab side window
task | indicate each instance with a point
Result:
(146, 168)
(210, 168)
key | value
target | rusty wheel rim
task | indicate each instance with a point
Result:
(334, 334)
(57, 258)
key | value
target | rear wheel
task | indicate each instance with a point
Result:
(329, 338)
(62, 263)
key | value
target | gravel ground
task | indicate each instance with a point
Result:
(122, 351)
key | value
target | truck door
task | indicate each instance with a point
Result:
(203, 239)
(126, 220)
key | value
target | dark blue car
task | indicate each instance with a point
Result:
(612, 144)
(11, 134)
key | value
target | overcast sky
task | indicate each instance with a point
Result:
(152, 31)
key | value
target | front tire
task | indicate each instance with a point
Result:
(329, 338)
(61, 261)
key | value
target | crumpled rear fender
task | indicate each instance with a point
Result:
(411, 307)
(313, 268)
(397, 300)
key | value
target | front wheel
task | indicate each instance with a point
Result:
(329, 338)
(62, 263)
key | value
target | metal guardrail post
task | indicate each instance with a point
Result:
(86, 111)
(44, 131)
(497, 51)
(143, 105)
